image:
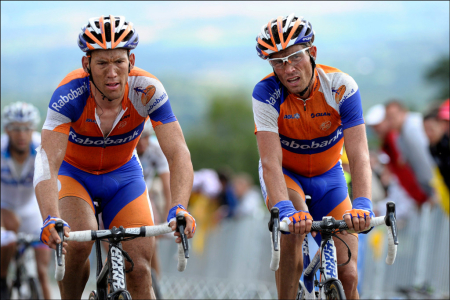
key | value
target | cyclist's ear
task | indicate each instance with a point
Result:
(85, 64)
(131, 61)
(313, 52)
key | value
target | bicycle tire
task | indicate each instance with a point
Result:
(123, 296)
(34, 289)
(155, 285)
(334, 290)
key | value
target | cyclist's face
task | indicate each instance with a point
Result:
(295, 77)
(110, 71)
(19, 136)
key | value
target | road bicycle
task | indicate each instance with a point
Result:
(328, 286)
(25, 284)
(111, 280)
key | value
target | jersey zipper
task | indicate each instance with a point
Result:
(97, 119)
(307, 127)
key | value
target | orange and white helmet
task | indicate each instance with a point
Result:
(101, 33)
(282, 33)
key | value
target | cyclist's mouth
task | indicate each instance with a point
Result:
(293, 81)
(112, 86)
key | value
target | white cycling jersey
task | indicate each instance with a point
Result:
(153, 162)
(17, 191)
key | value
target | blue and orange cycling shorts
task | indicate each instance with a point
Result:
(328, 191)
(123, 193)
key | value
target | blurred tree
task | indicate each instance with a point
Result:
(439, 74)
(226, 137)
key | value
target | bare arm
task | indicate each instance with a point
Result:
(171, 140)
(165, 179)
(271, 159)
(54, 144)
(358, 156)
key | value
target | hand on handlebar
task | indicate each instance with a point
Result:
(299, 221)
(358, 218)
(190, 221)
(49, 235)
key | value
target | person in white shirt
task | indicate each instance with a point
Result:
(19, 207)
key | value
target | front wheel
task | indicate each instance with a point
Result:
(93, 295)
(334, 290)
(124, 296)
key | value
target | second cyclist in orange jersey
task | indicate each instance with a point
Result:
(302, 112)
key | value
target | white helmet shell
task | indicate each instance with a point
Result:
(20, 112)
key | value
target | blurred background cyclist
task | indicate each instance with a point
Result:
(19, 208)
(154, 163)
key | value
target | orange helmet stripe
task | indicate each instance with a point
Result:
(124, 34)
(265, 53)
(89, 34)
(294, 28)
(90, 47)
(260, 41)
(269, 28)
(280, 30)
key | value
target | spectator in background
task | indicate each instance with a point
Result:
(392, 179)
(412, 144)
(248, 196)
(227, 197)
(436, 124)
(204, 204)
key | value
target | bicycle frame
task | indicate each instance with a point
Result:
(327, 271)
(114, 270)
(25, 266)
(329, 284)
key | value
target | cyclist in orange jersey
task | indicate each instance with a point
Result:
(303, 111)
(94, 121)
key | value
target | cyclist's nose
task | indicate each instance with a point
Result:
(111, 71)
(288, 67)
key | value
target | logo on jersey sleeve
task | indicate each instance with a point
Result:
(339, 93)
(146, 94)
(73, 94)
(274, 97)
(311, 146)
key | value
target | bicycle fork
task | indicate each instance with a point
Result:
(328, 268)
(309, 269)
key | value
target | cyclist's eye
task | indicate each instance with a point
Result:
(277, 63)
(295, 57)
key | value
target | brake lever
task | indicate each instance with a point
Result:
(274, 226)
(59, 226)
(391, 221)
(181, 225)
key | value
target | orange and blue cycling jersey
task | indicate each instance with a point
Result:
(311, 136)
(311, 130)
(102, 167)
(72, 111)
